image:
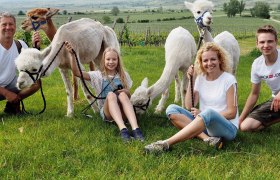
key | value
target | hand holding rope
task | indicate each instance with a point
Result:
(190, 75)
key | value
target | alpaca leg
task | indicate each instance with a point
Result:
(183, 88)
(69, 92)
(164, 97)
(89, 98)
(75, 84)
(75, 81)
(91, 66)
(177, 88)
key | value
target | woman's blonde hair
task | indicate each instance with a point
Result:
(221, 53)
(120, 69)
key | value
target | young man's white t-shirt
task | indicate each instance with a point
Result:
(270, 74)
(7, 63)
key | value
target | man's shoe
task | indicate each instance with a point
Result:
(12, 108)
(157, 147)
(137, 134)
(125, 135)
(217, 142)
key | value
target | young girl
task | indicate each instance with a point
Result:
(112, 82)
(215, 90)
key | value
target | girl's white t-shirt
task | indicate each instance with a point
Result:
(96, 82)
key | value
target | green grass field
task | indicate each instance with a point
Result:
(52, 146)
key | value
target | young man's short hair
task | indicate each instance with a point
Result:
(267, 29)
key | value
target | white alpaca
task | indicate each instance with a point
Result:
(180, 50)
(89, 39)
(202, 12)
(40, 18)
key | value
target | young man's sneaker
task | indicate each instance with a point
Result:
(217, 142)
(156, 147)
(137, 134)
(125, 135)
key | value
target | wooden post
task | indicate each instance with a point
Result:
(114, 24)
(122, 31)
(147, 35)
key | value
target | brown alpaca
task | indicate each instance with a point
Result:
(41, 19)
(39, 16)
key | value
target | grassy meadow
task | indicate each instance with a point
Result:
(239, 26)
(52, 146)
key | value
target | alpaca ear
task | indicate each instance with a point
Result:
(144, 83)
(189, 5)
(51, 12)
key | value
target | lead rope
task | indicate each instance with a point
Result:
(84, 82)
(191, 77)
(41, 87)
(82, 77)
(44, 101)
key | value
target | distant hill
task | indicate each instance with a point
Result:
(100, 5)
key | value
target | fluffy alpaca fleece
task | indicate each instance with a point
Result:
(40, 15)
(225, 39)
(89, 39)
(32, 61)
(180, 50)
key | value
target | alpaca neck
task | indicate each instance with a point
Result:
(50, 62)
(50, 30)
(164, 81)
(207, 36)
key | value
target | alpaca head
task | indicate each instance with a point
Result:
(202, 12)
(39, 17)
(28, 61)
(140, 99)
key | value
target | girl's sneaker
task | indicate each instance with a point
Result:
(137, 134)
(125, 135)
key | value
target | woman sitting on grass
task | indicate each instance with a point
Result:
(112, 83)
(216, 91)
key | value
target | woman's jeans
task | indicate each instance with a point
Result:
(215, 124)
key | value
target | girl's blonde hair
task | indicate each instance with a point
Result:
(119, 69)
(221, 53)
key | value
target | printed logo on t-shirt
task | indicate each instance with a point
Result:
(271, 76)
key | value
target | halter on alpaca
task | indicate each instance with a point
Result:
(199, 20)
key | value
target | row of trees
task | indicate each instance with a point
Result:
(261, 9)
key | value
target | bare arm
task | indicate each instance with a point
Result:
(73, 62)
(9, 95)
(251, 101)
(231, 111)
(36, 40)
(188, 97)
(275, 105)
